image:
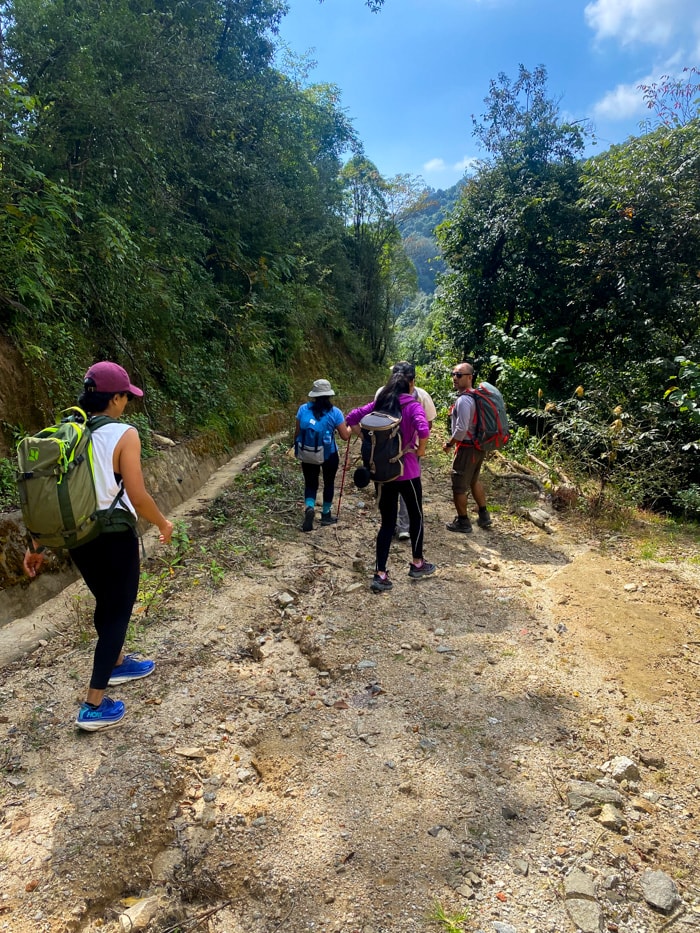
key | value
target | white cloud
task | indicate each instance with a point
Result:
(655, 22)
(435, 165)
(466, 164)
(621, 104)
(439, 166)
(627, 100)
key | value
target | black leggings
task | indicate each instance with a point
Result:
(311, 473)
(411, 491)
(110, 567)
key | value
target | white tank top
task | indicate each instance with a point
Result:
(104, 440)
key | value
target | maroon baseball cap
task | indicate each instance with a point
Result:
(111, 377)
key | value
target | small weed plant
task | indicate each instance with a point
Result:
(156, 586)
(450, 923)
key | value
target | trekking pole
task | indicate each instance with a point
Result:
(342, 481)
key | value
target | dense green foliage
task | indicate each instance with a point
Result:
(566, 273)
(170, 199)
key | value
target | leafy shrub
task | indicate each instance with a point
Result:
(8, 486)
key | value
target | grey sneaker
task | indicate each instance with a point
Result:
(424, 570)
(309, 516)
(460, 525)
(380, 584)
(404, 536)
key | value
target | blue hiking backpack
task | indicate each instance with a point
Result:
(308, 444)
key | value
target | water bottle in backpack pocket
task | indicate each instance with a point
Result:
(381, 450)
(308, 444)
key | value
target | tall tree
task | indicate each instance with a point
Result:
(516, 219)
(383, 276)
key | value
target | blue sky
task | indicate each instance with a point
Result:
(412, 75)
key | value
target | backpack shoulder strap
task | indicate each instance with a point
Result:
(96, 422)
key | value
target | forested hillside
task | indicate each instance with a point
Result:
(170, 199)
(576, 285)
(418, 232)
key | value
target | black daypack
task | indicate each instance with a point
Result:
(490, 428)
(381, 450)
(56, 484)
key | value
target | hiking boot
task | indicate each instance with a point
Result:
(404, 536)
(460, 525)
(380, 584)
(424, 570)
(108, 713)
(328, 519)
(309, 516)
(130, 669)
(484, 519)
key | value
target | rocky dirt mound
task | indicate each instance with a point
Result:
(508, 745)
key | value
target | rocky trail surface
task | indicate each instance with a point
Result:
(508, 746)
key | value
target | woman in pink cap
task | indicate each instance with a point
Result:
(110, 562)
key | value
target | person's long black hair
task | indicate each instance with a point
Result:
(320, 405)
(388, 398)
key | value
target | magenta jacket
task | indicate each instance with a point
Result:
(414, 425)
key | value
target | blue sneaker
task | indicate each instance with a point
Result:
(108, 713)
(131, 669)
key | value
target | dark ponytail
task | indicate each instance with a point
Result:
(388, 398)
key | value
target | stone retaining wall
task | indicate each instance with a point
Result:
(172, 477)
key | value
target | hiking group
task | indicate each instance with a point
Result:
(394, 428)
(82, 489)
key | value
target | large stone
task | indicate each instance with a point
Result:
(583, 795)
(581, 904)
(611, 818)
(139, 915)
(585, 915)
(659, 891)
(623, 769)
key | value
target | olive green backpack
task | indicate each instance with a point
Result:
(56, 482)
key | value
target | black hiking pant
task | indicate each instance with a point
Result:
(110, 567)
(312, 473)
(411, 491)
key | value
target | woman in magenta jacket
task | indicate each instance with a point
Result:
(395, 399)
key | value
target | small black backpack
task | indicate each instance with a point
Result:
(381, 450)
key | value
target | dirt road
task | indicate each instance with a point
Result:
(310, 756)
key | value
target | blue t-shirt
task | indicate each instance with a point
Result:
(332, 419)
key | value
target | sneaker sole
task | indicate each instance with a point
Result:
(125, 678)
(308, 524)
(98, 726)
(419, 576)
(460, 531)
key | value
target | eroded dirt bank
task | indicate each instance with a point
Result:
(310, 756)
